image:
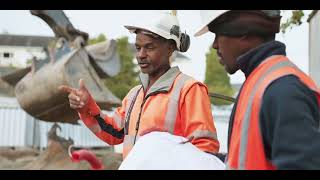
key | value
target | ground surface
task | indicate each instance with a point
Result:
(53, 158)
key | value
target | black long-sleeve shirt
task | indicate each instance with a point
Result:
(289, 115)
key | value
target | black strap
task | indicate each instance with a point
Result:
(108, 128)
(127, 119)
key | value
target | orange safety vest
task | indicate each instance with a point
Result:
(176, 103)
(246, 149)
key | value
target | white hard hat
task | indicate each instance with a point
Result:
(167, 26)
(207, 16)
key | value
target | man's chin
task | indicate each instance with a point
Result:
(144, 71)
(230, 71)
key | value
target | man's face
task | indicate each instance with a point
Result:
(228, 50)
(152, 55)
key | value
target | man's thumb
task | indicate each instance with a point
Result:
(81, 85)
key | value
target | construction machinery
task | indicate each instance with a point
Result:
(69, 59)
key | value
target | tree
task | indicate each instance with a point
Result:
(100, 38)
(127, 77)
(216, 78)
(294, 20)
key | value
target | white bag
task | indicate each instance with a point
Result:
(164, 151)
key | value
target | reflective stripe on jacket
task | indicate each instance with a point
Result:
(175, 103)
(246, 150)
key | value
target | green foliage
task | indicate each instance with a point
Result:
(29, 61)
(217, 79)
(98, 39)
(127, 77)
(294, 20)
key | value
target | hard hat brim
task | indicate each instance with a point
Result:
(204, 26)
(158, 32)
(132, 29)
(203, 30)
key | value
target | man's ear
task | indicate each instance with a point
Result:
(171, 48)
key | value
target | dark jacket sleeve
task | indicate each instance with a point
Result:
(289, 122)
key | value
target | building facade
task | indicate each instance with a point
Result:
(16, 50)
(314, 46)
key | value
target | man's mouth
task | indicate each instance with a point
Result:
(143, 65)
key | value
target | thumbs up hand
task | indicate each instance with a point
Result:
(78, 98)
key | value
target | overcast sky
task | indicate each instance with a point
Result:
(111, 22)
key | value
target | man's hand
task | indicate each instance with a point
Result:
(78, 98)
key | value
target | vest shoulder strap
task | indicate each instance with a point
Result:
(173, 104)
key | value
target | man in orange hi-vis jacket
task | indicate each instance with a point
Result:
(167, 100)
(275, 121)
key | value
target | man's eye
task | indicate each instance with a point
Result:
(138, 48)
(150, 47)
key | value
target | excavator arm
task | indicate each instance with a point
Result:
(103, 56)
(60, 24)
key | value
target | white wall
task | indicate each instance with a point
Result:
(314, 51)
(20, 55)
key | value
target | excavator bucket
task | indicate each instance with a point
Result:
(38, 94)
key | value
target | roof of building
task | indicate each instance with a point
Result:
(24, 40)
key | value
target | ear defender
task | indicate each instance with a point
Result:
(184, 42)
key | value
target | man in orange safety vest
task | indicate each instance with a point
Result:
(167, 100)
(275, 121)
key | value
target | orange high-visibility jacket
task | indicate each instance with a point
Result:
(175, 103)
(246, 150)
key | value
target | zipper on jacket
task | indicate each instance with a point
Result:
(138, 122)
(139, 117)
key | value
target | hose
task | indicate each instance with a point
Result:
(83, 154)
(220, 96)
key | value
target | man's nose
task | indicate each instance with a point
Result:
(215, 43)
(141, 53)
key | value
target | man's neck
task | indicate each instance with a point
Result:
(154, 78)
(251, 59)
